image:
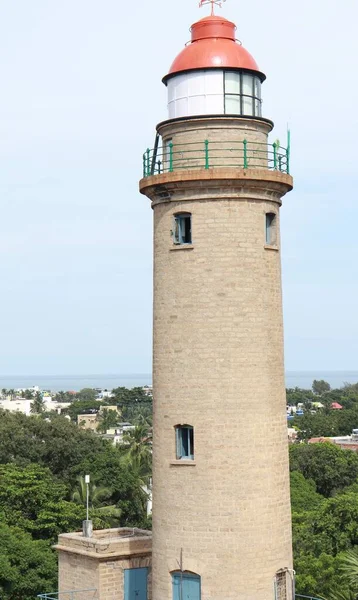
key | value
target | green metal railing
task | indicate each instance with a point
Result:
(89, 594)
(209, 155)
(299, 596)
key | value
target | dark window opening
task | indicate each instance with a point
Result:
(271, 237)
(182, 228)
(185, 442)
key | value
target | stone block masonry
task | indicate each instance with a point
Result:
(98, 563)
(218, 367)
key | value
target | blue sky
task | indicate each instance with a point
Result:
(80, 96)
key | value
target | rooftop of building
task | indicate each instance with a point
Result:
(105, 543)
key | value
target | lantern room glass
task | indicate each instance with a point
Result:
(242, 94)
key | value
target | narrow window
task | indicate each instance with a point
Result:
(185, 442)
(271, 237)
(167, 143)
(182, 228)
(281, 585)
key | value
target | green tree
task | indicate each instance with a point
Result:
(79, 407)
(38, 404)
(27, 567)
(98, 495)
(138, 451)
(63, 397)
(320, 424)
(336, 522)
(319, 576)
(108, 418)
(87, 394)
(331, 468)
(349, 567)
(297, 395)
(59, 445)
(320, 386)
(134, 403)
(57, 517)
(31, 498)
(303, 493)
(109, 469)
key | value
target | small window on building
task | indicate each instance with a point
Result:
(271, 233)
(281, 585)
(182, 228)
(185, 442)
(167, 146)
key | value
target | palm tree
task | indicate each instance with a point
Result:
(108, 418)
(349, 569)
(4, 392)
(11, 394)
(342, 595)
(38, 404)
(138, 452)
(97, 495)
(350, 566)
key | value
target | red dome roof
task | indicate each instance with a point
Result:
(213, 45)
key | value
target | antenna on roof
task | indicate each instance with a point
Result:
(87, 526)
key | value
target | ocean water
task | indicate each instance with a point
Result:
(75, 383)
(302, 379)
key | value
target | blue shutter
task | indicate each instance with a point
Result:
(181, 229)
(190, 586)
(135, 584)
(176, 587)
(191, 442)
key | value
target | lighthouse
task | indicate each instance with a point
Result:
(216, 179)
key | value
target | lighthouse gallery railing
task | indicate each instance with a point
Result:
(215, 154)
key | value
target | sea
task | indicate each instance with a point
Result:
(56, 383)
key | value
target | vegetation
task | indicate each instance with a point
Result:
(135, 405)
(42, 494)
(44, 457)
(37, 405)
(324, 486)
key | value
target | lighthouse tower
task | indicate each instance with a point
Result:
(221, 504)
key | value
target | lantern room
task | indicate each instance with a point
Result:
(214, 74)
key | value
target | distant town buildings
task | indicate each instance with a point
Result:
(23, 405)
(345, 442)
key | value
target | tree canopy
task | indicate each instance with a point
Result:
(42, 464)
